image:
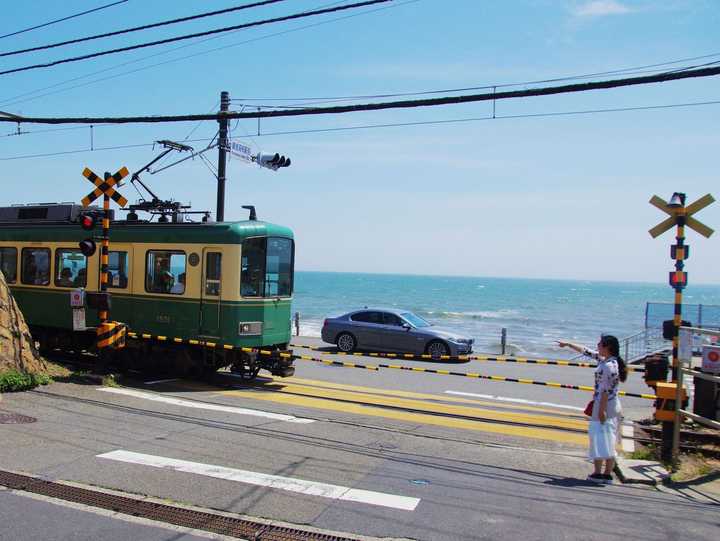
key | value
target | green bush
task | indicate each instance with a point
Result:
(12, 380)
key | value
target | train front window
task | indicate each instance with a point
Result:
(267, 267)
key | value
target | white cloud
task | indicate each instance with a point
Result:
(601, 8)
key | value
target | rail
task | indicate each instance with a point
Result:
(685, 356)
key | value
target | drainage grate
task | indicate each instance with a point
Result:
(15, 419)
(189, 518)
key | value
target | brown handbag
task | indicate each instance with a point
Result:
(589, 408)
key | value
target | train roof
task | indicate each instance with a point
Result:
(60, 225)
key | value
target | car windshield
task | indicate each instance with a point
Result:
(415, 320)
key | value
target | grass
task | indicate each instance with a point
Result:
(14, 381)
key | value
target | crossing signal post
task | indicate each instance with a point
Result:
(109, 333)
(680, 216)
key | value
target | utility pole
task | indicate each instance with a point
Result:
(222, 156)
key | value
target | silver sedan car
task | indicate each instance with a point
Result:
(393, 330)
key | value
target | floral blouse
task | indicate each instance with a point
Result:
(607, 379)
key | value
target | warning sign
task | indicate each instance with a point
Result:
(711, 359)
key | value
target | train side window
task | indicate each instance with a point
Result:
(8, 264)
(118, 269)
(70, 268)
(35, 266)
(165, 272)
(213, 273)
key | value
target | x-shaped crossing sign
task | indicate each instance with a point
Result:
(105, 187)
(689, 210)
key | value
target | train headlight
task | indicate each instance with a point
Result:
(249, 328)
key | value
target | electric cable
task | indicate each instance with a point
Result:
(196, 35)
(405, 104)
(63, 19)
(143, 27)
(404, 124)
(14, 100)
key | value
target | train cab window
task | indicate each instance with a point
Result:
(165, 272)
(118, 269)
(213, 265)
(267, 267)
(70, 268)
(8, 264)
(35, 266)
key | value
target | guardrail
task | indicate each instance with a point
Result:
(685, 353)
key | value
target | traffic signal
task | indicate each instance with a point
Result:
(87, 246)
(272, 161)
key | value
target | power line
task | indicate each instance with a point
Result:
(14, 100)
(487, 86)
(196, 35)
(405, 104)
(143, 27)
(402, 124)
(63, 19)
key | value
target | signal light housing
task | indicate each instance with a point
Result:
(272, 160)
(87, 222)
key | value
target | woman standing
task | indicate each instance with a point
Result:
(606, 411)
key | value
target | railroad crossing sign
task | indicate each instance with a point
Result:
(105, 187)
(677, 211)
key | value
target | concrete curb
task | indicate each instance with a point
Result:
(640, 472)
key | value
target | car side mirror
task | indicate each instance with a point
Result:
(406, 326)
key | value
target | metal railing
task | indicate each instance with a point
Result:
(643, 343)
(685, 354)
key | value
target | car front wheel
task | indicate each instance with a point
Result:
(346, 342)
(436, 348)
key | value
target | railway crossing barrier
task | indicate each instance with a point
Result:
(373, 367)
(466, 358)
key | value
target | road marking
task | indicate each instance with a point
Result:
(160, 381)
(516, 400)
(205, 406)
(408, 394)
(628, 432)
(291, 484)
(348, 403)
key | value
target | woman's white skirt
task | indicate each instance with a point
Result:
(603, 437)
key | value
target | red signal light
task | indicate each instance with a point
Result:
(87, 222)
(678, 279)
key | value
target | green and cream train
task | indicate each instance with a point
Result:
(182, 284)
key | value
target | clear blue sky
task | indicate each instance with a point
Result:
(544, 197)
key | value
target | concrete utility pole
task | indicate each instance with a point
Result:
(222, 156)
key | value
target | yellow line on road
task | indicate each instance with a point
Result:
(423, 396)
(422, 418)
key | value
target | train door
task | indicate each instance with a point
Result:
(211, 293)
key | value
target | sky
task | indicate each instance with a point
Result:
(445, 190)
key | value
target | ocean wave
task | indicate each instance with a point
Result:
(482, 314)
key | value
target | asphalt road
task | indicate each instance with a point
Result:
(385, 453)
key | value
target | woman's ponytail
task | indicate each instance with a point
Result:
(622, 368)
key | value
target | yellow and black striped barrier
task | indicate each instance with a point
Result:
(330, 362)
(465, 375)
(111, 334)
(465, 358)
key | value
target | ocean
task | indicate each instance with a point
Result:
(534, 312)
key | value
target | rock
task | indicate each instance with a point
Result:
(17, 347)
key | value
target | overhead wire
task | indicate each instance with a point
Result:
(405, 124)
(14, 100)
(195, 35)
(487, 86)
(404, 104)
(63, 19)
(139, 28)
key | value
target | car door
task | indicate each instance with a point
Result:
(367, 328)
(395, 337)
(210, 293)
